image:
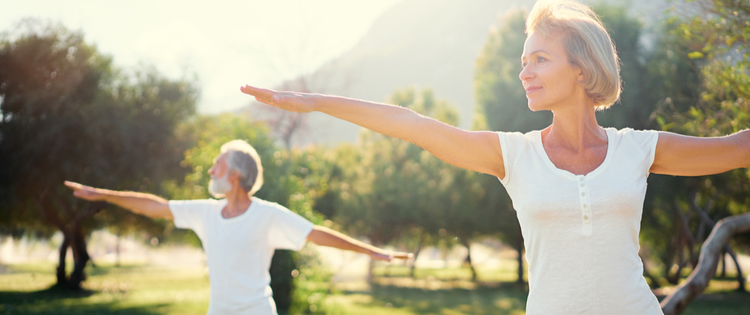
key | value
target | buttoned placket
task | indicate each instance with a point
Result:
(583, 193)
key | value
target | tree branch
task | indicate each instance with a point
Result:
(698, 280)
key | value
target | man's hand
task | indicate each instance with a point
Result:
(85, 192)
(141, 203)
(387, 256)
(326, 237)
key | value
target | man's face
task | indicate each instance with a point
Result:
(219, 184)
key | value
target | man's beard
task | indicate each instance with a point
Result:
(217, 187)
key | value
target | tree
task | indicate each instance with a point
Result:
(717, 38)
(68, 114)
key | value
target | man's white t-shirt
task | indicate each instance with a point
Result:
(239, 250)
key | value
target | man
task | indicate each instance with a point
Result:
(239, 233)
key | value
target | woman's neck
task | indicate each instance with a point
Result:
(575, 128)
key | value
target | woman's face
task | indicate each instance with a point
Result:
(547, 76)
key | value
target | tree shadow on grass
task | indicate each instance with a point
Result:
(505, 299)
(60, 301)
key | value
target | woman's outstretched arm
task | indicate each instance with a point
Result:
(681, 155)
(475, 150)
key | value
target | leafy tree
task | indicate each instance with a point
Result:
(67, 114)
(716, 40)
(501, 99)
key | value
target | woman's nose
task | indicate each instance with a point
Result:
(526, 74)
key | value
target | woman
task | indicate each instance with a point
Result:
(578, 188)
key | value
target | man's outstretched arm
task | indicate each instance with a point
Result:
(327, 237)
(149, 205)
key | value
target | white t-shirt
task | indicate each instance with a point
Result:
(581, 231)
(239, 250)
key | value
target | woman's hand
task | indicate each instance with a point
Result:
(475, 150)
(289, 101)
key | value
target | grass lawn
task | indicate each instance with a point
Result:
(159, 290)
(109, 290)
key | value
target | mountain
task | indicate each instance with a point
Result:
(422, 43)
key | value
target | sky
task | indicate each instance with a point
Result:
(225, 43)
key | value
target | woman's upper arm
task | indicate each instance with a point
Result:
(479, 151)
(682, 155)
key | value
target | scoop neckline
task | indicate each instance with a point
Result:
(548, 161)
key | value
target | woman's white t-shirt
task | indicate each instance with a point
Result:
(581, 231)
(239, 249)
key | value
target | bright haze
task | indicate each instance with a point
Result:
(225, 43)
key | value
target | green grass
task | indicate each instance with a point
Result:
(507, 299)
(159, 290)
(108, 290)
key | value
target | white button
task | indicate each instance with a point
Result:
(581, 179)
(585, 218)
(585, 206)
(583, 185)
(583, 194)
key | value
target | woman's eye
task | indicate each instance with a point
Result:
(541, 59)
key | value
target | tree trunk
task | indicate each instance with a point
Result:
(416, 254)
(73, 238)
(740, 277)
(674, 278)
(519, 249)
(62, 279)
(370, 273)
(81, 258)
(708, 261)
(117, 251)
(467, 244)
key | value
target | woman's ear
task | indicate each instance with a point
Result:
(581, 75)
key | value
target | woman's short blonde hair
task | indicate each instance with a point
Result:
(587, 43)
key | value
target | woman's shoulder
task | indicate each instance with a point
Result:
(519, 136)
(632, 133)
(631, 137)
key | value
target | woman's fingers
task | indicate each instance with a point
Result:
(73, 185)
(262, 95)
(290, 101)
(83, 191)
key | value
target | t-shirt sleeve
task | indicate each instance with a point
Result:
(288, 230)
(646, 141)
(510, 144)
(188, 214)
(650, 139)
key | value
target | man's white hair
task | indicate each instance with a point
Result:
(242, 158)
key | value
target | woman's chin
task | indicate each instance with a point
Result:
(535, 106)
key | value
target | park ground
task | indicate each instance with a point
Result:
(143, 289)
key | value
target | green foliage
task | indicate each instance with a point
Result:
(501, 98)
(637, 101)
(716, 42)
(68, 114)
